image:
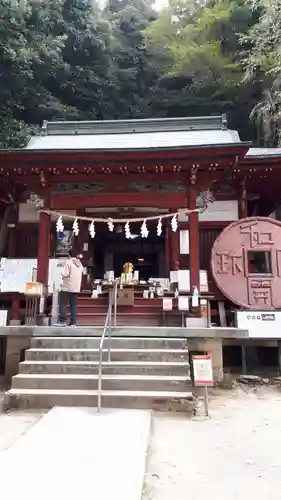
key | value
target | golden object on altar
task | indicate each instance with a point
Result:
(128, 268)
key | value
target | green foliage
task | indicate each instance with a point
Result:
(134, 76)
(263, 64)
(70, 59)
(197, 48)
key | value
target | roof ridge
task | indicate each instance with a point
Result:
(134, 126)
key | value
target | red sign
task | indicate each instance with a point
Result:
(203, 370)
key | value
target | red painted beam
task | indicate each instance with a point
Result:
(158, 200)
(110, 179)
(195, 152)
(72, 169)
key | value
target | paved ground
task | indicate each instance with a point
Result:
(13, 425)
(105, 451)
(234, 455)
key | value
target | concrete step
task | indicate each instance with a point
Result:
(173, 400)
(122, 331)
(103, 300)
(64, 382)
(133, 320)
(95, 306)
(116, 354)
(115, 367)
(120, 342)
(126, 319)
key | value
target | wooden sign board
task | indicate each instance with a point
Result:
(34, 288)
(203, 370)
(126, 297)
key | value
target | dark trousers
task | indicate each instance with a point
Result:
(64, 299)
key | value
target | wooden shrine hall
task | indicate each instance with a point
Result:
(194, 172)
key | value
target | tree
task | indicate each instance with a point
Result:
(70, 59)
(84, 83)
(197, 46)
(263, 65)
(25, 51)
(134, 74)
(55, 64)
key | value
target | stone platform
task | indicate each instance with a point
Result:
(18, 338)
(77, 453)
(126, 331)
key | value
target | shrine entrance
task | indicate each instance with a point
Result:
(109, 251)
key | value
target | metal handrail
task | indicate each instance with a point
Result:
(107, 329)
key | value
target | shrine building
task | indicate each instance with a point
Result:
(167, 196)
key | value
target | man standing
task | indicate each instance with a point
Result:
(71, 286)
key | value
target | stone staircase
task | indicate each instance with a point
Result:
(92, 312)
(143, 373)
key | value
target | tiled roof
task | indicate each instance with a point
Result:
(134, 134)
(263, 152)
(134, 141)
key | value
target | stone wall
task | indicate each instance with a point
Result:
(15, 345)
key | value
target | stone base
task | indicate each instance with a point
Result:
(43, 320)
(15, 345)
(2, 397)
(15, 322)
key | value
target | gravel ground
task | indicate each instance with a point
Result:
(234, 455)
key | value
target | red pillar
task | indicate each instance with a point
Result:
(44, 244)
(15, 312)
(194, 264)
(242, 203)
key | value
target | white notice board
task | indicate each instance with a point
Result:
(15, 273)
(260, 324)
(202, 370)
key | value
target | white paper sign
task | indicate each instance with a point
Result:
(167, 304)
(174, 276)
(3, 317)
(184, 242)
(202, 370)
(204, 287)
(183, 276)
(260, 324)
(184, 280)
(183, 303)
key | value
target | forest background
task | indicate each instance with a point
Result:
(80, 60)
